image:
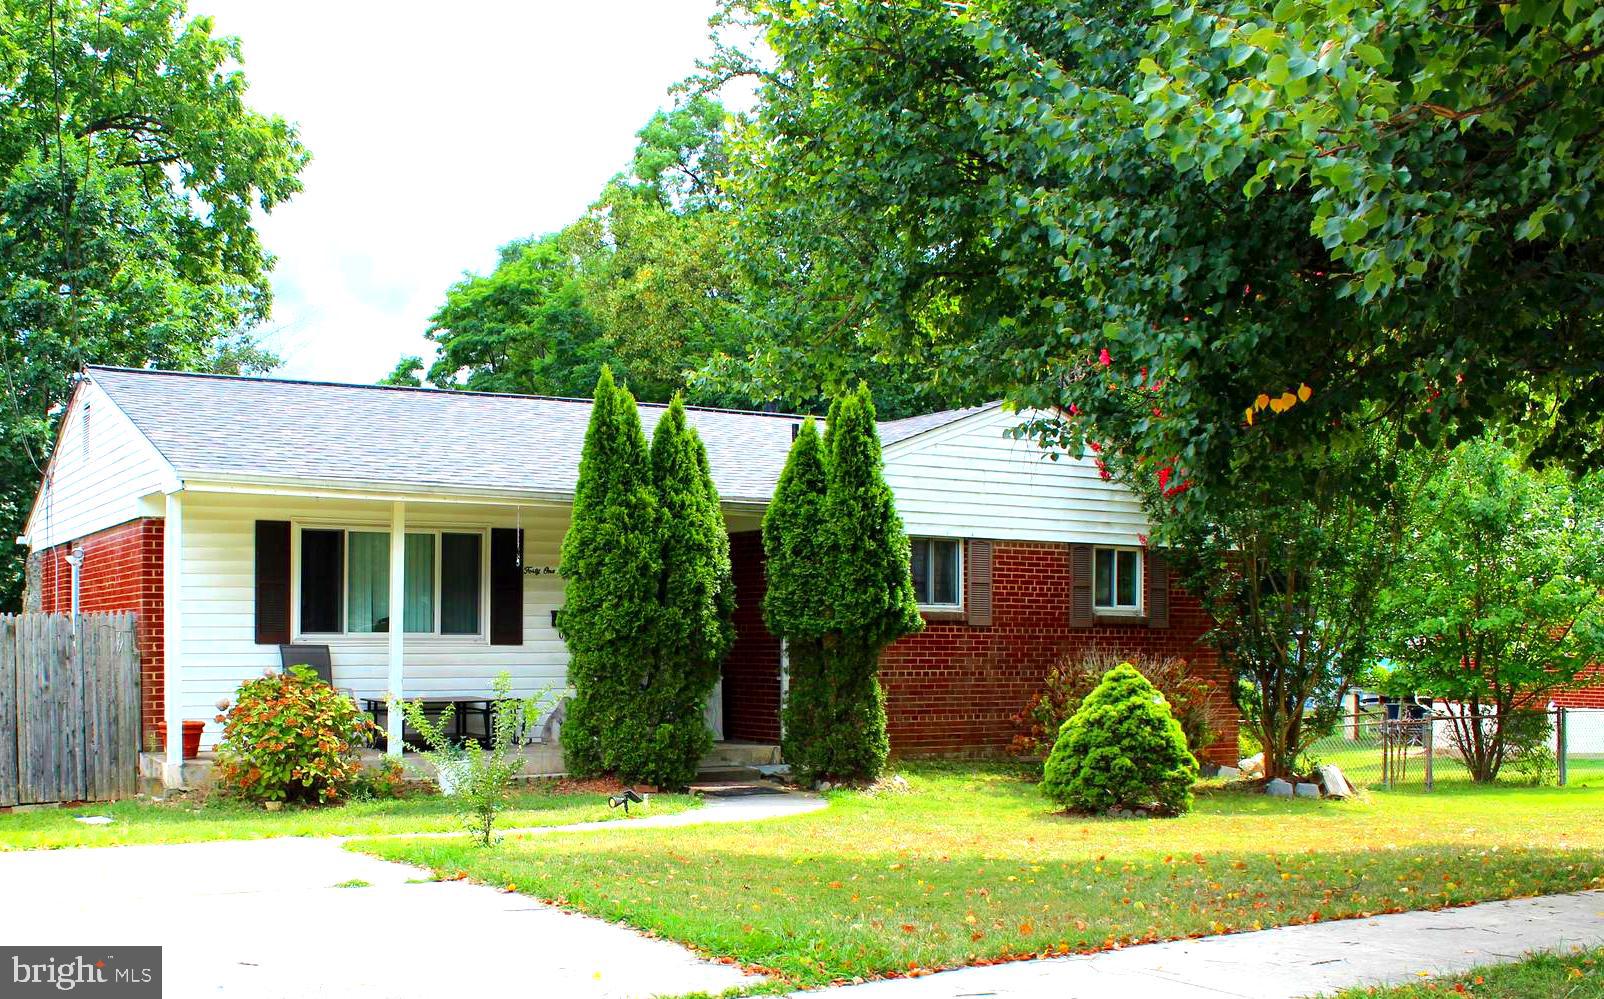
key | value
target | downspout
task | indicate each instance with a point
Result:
(76, 561)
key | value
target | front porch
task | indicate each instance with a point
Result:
(727, 758)
(471, 580)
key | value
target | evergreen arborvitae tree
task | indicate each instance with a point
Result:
(795, 606)
(868, 589)
(660, 735)
(612, 560)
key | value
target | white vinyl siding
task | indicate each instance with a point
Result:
(970, 479)
(219, 604)
(95, 481)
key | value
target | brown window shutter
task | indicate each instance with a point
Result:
(1080, 586)
(506, 587)
(272, 582)
(977, 577)
(1158, 591)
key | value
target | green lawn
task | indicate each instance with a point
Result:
(186, 822)
(970, 866)
(1542, 976)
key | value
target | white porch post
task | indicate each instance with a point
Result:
(398, 596)
(172, 639)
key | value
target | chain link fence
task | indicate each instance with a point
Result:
(1422, 750)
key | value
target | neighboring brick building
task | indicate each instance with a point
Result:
(1588, 693)
(122, 571)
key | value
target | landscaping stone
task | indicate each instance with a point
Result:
(1335, 782)
(1278, 788)
(1307, 790)
(1227, 773)
(1253, 764)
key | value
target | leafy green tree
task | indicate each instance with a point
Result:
(1121, 749)
(407, 373)
(795, 602)
(1448, 157)
(1000, 192)
(130, 166)
(1499, 600)
(869, 590)
(524, 327)
(611, 564)
(662, 734)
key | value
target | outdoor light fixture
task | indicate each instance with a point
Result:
(629, 795)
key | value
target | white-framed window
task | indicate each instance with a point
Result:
(937, 565)
(342, 581)
(1117, 580)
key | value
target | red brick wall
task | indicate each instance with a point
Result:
(953, 689)
(122, 571)
(1589, 692)
(752, 669)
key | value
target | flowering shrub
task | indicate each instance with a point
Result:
(1037, 724)
(290, 737)
(381, 783)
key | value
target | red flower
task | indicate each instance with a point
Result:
(1104, 358)
(1074, 410)
(1096, 447)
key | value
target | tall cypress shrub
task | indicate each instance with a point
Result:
(795, 602)
(612, 559)
(869, 590)
(661, 735)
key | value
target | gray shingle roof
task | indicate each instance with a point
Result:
(893, 431)
(215, 426)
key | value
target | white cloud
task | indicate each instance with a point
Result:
(438, 133)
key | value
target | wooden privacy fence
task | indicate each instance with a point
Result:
(69, 712)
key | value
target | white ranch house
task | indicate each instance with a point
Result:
(265, 512)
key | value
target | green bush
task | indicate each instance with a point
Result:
(290, 737)
(1121, 749)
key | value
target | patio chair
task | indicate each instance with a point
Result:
(315, 656)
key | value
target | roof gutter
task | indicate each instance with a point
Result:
(399, 492)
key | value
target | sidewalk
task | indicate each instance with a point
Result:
(1283, 963)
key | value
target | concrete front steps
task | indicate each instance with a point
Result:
(727, 760)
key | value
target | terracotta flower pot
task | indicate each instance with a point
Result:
(192, 736)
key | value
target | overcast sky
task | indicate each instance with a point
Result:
(438, 133)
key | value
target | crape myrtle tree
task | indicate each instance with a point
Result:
(649, 596)
(795, 602)
(1018, 198)
(840, 591)
(131, 169)
(1499, 600)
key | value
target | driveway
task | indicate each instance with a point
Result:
(265, 919)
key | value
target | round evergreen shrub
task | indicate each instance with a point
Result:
(1121, 749)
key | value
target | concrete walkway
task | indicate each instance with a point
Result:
(267, 919)
(1283, 963)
